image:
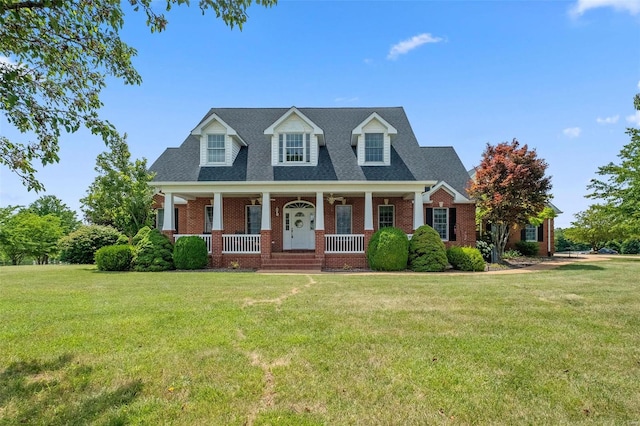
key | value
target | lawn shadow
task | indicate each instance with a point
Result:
(60, 392)
(580, 267)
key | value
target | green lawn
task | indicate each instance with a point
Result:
(78, 346)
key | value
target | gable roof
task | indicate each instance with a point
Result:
(444, 164)
(337, 159)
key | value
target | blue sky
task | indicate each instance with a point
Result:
(559, 76)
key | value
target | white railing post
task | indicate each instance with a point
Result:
(344, 243)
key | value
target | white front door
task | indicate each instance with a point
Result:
(299, 227)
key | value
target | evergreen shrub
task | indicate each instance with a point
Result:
(81, 245)
(114, 258)
(528, 248)
(154, 251)
(426, 251)
(388, 250)
(190, 253)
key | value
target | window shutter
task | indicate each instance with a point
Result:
(280, 148)
(175, 216)
(523, 233)
(541, 233)
(452, 224)
(430, 216)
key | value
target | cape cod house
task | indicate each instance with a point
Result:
(307, 187)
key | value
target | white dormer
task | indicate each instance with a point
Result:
(295, 140)
(219, 142)
(372, 138)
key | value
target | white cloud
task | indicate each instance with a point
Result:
(410, 44)
(347, 99)
(639, 85)
(572, 132)
(369, 61)
(634, 119)
(608, 120)
(582, 6)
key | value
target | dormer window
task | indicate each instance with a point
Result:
(373, 147)
(219, 142)
(216, 148)
(295, 140)
(372, 139)
(294, 147)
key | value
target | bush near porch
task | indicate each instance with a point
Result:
(388, 250)
(426, 251)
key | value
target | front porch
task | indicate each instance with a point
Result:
(332, 228)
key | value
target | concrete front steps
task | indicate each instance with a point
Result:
(292, 261)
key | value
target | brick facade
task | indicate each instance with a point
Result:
(545, 249)
(191, 220)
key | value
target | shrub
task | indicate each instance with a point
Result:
(511, 254)
(631, 246)
(455, 256)
(426, 251)
(122, 240)
(476, 261)
(153, 251)
(114, 258)
(388, 250)
(190, 253)
(81, 245)
(528, 248)
(485, 249)
(466, 259)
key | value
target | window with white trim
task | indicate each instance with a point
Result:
(253, 219)
(294, 148)
(216, 148)
(373, 147)
(208, 219)
(441, 222)
(386, 216)
(343, 219)
(531, 233)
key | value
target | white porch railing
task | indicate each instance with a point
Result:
(205, 237)
(344, 243)
(241, 243)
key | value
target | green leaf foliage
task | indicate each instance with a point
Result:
(81, 245)
(619, 185)
(120, 195)
(631, 246)
(528, 248)
(60, 55)
(154, 252)
(114, 258)
(426, 251)
(388, 250)
(50, 204)
(466, 259)
(190, 253)
(27, 234)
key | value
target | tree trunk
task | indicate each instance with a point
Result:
(499, 236)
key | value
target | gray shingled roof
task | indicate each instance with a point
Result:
(443, 164)
(337, 158)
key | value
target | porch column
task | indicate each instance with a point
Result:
(418, 216)
(217, 212)
(266, 211)
(168, 227)
(216, 231)
(320, 247)
(319, 211)
(265, 227)
(368, 211)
